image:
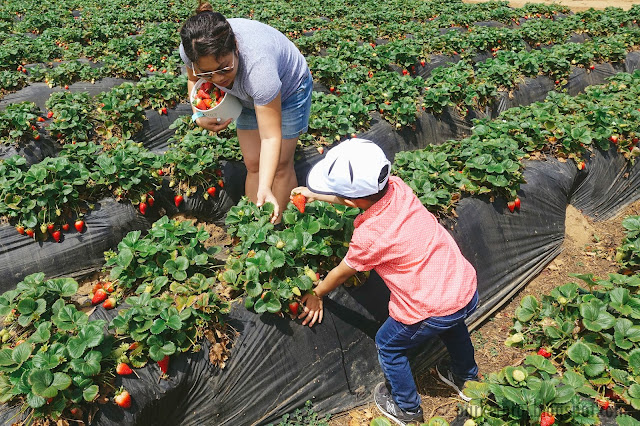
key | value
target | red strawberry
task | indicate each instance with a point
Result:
(206, 86)
(164, 111)
(299, 201)
(143, 208)
(37, 137)
(511, 205)
(581, 165)
(75, 411)
(29, 232)
(123, 399)
(134, 346)
(79, 225)
(602, 403)
(50, 114)
(422, 63)
(40, 119)
(613, 138)
(150, 201)
(220, 183)
(203, 95)
(50, 227)
(547, 419)
(405, 72)
(160, 172)
(56, 236)
(20, 229)
(320, 150)
(123, 369)
(543, 352)
(201, 104)
(108, 287)
(293, 307)
(177, 200)
(592, 67)
(218, 172)
(110, 303)
(211, 190)
(97, 286)
(99, 296)
(66, 87)
(66, 227)
(164, 364)
(517, 203)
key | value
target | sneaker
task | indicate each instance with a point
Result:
(389, 408)
(447, 376)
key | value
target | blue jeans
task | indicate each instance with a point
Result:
(394, 339)
(296, 110)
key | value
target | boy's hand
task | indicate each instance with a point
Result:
(312, 311)
(310, 196)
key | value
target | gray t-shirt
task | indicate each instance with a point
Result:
(269, 63)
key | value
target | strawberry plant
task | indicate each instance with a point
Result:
(193, 163)
(52, 357)
(39, 195)
(119, 112)
(628, 253)
(169, 270)
(72, 116)
(529, 393)
(224, 144)
(276, 267)
(17, 123)
(592, 332)
(171, 251)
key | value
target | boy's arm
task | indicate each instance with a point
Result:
(312, 196)
(313, 306)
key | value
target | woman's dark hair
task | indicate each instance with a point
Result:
(207, 33)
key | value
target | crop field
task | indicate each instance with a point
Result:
(140, 286)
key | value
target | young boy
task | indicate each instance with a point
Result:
(433, 287)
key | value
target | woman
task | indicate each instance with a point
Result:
(268, 74)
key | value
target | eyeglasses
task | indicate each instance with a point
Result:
(222, 71)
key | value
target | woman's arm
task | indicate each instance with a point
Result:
(269, 118)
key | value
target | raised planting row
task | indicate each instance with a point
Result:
(42, 200)
(55, 360)
(489, 161)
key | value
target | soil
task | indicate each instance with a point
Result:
(575, 5)
(588, 247)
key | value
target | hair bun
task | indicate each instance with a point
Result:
(204, 7)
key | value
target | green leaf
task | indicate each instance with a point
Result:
(90, 393)
(579, 353)
(125, 257)
(61, 381)
(22, 352)
(527, 309)
(41, 383)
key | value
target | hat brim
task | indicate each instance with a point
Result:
(317, 178)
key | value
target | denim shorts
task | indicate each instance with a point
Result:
(295, 112)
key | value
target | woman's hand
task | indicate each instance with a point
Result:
(211, 123)
(266, 196)
(312, 309)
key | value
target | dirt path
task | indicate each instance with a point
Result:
(589, 247)
(575, 5)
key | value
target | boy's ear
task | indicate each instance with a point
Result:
(350, 203)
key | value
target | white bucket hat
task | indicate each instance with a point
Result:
(352, 169)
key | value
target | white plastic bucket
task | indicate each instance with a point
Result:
(229, 106)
